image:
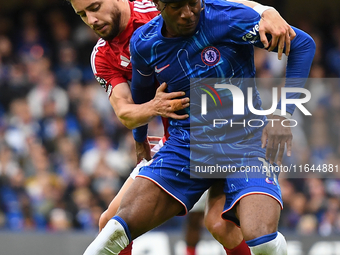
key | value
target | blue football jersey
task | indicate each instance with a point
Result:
(221, 48)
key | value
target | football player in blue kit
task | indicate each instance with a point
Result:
(215, 39)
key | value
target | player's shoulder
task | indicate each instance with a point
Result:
(144, 39)
(98, 54)
(101, 47)
(221, 9)
(144, 10)
(225, 5)
(144, 6)
(148, 32)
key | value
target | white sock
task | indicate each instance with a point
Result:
(111, 240)
(277, 246)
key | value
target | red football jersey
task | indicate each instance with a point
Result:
(110, 60)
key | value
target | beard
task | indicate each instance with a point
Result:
(114, 26)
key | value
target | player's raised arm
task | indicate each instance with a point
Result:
(115, 84)
(299, 62)
(142, 84)
(272, 23)
(134, 115)
(275, 136)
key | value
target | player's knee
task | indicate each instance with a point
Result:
(226, 233)
(212, 221)
(274, 243)
(214, 227)
(217, 228)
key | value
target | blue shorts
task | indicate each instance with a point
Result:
(254, 175)
(170, 170)
(257, 176)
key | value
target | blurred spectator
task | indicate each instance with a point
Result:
(47, 91)
(82, 198)
(8, 165)
(104, 161)
(35, 68)
(297, 209)
(30, 44)
(67, 69)
(21, 126)
(90, 123)
(59, 220)
(333, 55)
(6, 56)
(307, 225)
(318, 86)
(320, 143)
(316, 197)
(330, 221)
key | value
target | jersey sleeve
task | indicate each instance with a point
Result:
(146, 10)
(104, 71)
(239, 23)
(143, 82)
(299, 62)
(243, 28)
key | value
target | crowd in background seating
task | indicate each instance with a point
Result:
(64, 154)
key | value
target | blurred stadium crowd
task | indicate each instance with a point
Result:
(64, 154)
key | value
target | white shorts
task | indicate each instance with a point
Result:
(200, 204)
(135, 171)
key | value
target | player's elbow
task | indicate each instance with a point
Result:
(307, 44)
(124, 117)
(310, 43)
(127, 122)
(310, 47)
(313, 46)
(130, 125)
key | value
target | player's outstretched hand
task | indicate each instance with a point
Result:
(166, 105)
(276, 137)
(272, 23)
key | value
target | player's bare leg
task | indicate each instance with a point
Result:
(114, 205)
(194, 226)
(259, 216)
(225, 232)
(143, 207)
(112, 210)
